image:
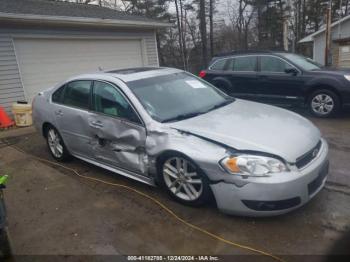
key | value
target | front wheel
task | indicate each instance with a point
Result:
(184, 181)
(324, 103)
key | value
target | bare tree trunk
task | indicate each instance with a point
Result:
(211, 34)
(346, 7)
(203, 29)
(183, 36)
(180, 34)
(160, 55)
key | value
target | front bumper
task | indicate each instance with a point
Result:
(275, 195)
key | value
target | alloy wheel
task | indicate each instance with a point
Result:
(182, 179)
(322, 104)
(55, 144)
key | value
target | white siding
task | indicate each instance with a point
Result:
(45, 62)
(339, 31)
(10, 82)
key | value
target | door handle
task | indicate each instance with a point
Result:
(97, 124)
(59, 113)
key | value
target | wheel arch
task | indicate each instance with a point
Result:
(168, 153)
(162, 156)
(316, 87)
(44, 128)
(221, 79)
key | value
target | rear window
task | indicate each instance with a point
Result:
(245, 64)
(218, 65)
(57, 95)
(77, 94)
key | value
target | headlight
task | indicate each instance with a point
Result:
(347, 77)
(250, 165)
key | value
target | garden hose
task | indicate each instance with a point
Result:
(160, 204)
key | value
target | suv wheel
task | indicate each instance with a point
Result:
(56, 145)
(223, 86)
(323, 103)
(184, 181)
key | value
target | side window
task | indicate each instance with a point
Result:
(273, 64)
(77, 94)
(108, 100)
(219, 65)
(245, 64)
(57, 95)
(230, 64)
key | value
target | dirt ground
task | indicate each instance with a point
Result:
(53, 212)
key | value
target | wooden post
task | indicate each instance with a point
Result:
(328, 34)
(285, 34)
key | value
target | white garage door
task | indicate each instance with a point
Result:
(45, 62)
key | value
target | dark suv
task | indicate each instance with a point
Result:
(281, 78)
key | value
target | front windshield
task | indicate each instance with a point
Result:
(177, 96)
(305, 63)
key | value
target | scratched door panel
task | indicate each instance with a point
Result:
(118, 143)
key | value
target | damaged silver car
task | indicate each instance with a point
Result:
(166, 127)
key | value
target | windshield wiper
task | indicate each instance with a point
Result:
(182, 117)
(225, 103)
(190, 115)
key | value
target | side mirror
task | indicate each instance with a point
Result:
(291, 71)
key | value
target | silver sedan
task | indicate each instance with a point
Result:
(166, 127)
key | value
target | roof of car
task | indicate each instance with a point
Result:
(130, 74)
(133, 74)
(248, 52)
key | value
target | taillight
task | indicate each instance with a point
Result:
(202, 74)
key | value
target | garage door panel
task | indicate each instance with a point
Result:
(46, 62)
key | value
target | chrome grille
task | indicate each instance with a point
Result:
(309, 156)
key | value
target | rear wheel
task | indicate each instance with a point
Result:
(56, 145)
(324, 103)
(224, 86)
(184, 181)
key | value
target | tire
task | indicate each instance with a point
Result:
(184, 181)
(56, 145)
(5, 247)
(323, 103)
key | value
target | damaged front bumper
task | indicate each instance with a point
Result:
(275, 195)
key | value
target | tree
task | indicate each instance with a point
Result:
(203, 31)
(211, 33)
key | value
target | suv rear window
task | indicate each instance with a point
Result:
(219, 64)
(243, 64)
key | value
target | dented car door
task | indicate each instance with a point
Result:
(118, 135)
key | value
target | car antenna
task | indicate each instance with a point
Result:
(100, 68)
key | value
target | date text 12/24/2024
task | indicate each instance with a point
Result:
(173, 258)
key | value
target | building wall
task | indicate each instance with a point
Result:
(319, 48)
(338, 32)
(11, 89)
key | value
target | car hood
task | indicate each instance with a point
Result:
(246, 125)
